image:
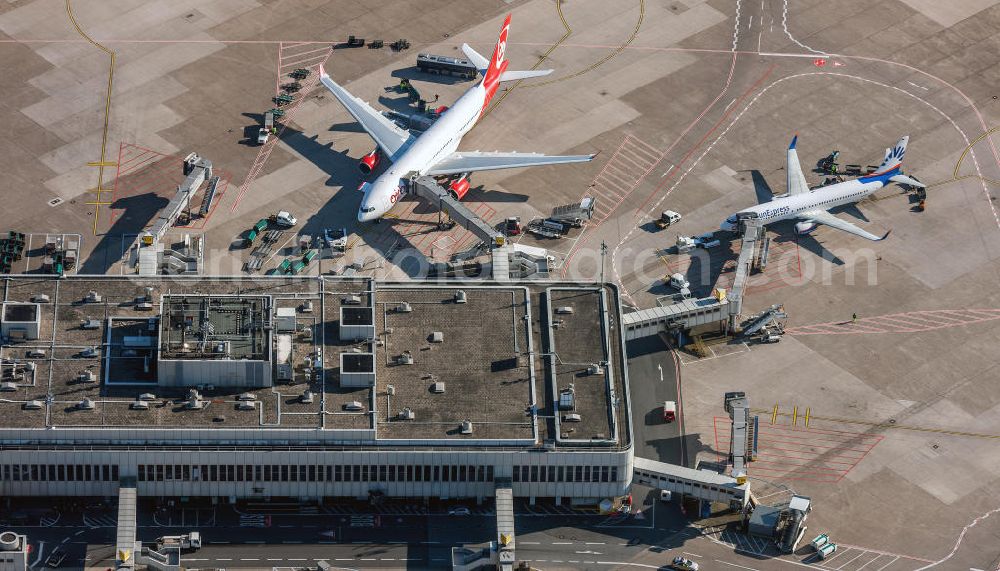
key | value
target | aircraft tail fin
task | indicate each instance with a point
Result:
(476, 58)
(894, 156)
(498, 63)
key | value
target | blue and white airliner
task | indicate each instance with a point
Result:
(810, 206)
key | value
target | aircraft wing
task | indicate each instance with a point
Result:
(796, 180)
(462, 162)
(389, 137)
(827, 219)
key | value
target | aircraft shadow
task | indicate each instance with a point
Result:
(137, 212)
(786, 233)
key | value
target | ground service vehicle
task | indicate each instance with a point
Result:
(190, 540)
(667, 217)
(669, 411)
(265, 132)
(679, 283)
(284, 219)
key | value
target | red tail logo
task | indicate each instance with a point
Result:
(498, 64)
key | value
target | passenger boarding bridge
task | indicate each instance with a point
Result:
(690, 313)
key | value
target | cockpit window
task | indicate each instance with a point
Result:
(731, 219)
(369, 209)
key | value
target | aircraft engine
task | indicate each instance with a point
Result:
(370, 161)
(460, 187)
(805, 227)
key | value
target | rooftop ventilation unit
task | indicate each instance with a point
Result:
(8, 387)
(306, 307)
(404, 307)
(307, 398)
(390, 390)
(565, 310)
(195, 404)
(86, 404)
(40, 298)
(144, 306)
(147, 396)
(351, 300)
(353, 406)
(567, 398)
(89, 352)
(572, 417)
(86, 377)
(32, 405)
(436, 337)
(466, 427)
(460, 296)
(595, 369)
(93, 297)
(139, 405)
(246, 405)
(91, 324)
(35, 353)
(438, 387)
(406, 414)
(193, 393)
(247, 396)
(404, 359)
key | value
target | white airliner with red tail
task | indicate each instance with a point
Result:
(434, 152)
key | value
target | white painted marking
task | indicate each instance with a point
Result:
(41, 549)
(893, 561)
(735, 565)
(851, 560)
(918, 86)
(249, 559)
(731, 103)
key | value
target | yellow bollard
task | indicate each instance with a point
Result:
(795, 415)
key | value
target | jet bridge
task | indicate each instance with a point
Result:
(198, 170)
(705, 485)
(505, 525)
(427, 188)
(125, 541)
(689, 313)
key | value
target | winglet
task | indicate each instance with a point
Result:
(794, 139)
(322, 72)
(886, 235)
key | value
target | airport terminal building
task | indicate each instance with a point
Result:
(312, 387)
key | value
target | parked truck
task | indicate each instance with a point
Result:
(190, 540)
(667, 217)
(265, 132)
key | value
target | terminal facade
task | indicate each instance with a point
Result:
(313, 387)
